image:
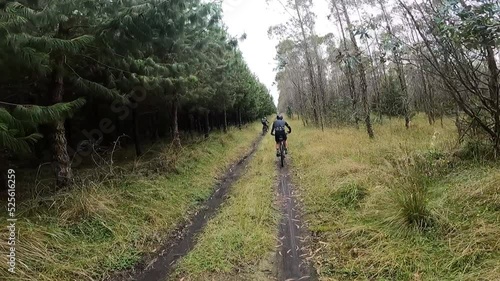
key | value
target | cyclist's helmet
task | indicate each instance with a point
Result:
(279, 117)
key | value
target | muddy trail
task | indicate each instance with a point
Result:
(183, 239)
(291, 255)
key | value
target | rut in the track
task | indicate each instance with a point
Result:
(183, 239)
(292, 264)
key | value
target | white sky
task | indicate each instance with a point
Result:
(255, 17)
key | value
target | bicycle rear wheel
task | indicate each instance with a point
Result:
(282, 154)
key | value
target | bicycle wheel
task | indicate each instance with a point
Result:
(282, 154)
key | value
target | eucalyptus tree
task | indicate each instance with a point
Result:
(369, 26)
(300, 30)
(462, 40)
(345, 57)
(394, 45)
(291, 79)
(360, 67)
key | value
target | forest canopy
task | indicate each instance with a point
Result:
(74, 73)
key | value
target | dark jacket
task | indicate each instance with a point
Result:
(279, 126)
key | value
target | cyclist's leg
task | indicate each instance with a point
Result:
(276, 138)
(286, 143)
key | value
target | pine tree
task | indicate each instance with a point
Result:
(18, 127)
(176, 54)
(45, 38)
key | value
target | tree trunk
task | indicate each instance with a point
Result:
(135, 134)
(349, 74)
(494, 96)
(399, 70)
(309, 66)
(458, 125)
(198, 124)
(156, 125)
(207, 123)
(362, 74)
(152, 126)
(430, 98)
(374, 76)
(239, 118)
(192, 125)
(321, 86)
(62, 164)
(177, 138)
(225, 119)
(384, 72)
(402, 82)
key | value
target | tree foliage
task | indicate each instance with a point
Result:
(161, 67)
(437, 57)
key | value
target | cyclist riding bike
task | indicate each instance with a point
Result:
(265, 123)
(279, 127)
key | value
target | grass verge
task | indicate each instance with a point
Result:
(239, 243)
(103, 226)
(400, 207)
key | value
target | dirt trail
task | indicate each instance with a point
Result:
(183, 240)
(290, 256)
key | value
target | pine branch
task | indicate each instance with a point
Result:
(33, 59)
(96, 89)
(47, 114)
(12, 143)
(50, 44)
(11, 21)
(41, 17)
(105, 65)
(14, 126)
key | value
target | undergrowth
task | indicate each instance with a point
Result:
(409, 205)
(115, 215)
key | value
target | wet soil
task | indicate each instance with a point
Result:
(291, 256)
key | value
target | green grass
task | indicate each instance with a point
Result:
(400, 207)
(239, 243)
(104, 226)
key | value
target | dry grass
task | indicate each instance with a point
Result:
(109, 224)
(399, 207)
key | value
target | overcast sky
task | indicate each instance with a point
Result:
(254, 17)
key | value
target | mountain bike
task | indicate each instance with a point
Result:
(265, 128)
(282, 151)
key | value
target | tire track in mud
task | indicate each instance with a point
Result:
(184, 238)
(291, 261)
